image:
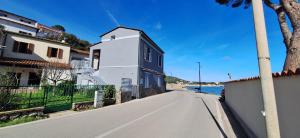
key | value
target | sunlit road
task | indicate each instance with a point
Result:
(178, 114)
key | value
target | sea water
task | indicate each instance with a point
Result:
(207, 89)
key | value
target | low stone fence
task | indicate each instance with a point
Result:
(82, 105)
(11, 115)
(244, 98)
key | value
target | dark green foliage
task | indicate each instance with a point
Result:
(7, 94)
(76, 42)
(235, 3)
(59, 27)
(72, 39)
(109, 92)
(2, 27)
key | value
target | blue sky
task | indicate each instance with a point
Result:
(220, 37)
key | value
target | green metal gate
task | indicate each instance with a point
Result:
(58, 98)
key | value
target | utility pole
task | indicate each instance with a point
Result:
(199, 76)
(271, 116)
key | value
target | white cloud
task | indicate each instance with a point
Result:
(158, 26)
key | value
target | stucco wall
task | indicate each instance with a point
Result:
(40, 49)
(120, 33)
(245, 100)
(118, 59)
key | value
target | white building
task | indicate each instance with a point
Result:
(128, 55)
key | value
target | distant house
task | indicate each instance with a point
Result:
(18, 24)
(129, 54)
(25, 55)
(48, 32)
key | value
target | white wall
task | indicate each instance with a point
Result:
(245, 100)
(118, 59)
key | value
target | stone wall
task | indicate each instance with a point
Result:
(82, 106)
(122, 97)
(11, 115)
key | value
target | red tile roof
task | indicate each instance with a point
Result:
(275, 75)
(33, 63)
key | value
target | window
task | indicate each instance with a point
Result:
(25, 21)
(55, 53)
(96, 59)
(113, 37)
(22, 47)
(160, 61)
(34, 79)
(159, 81)
(147, 53)
(147, 80)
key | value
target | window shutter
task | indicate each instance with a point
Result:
(60, 53)
(16, 46)
(30, 48)
(49, 52)
(145, 53)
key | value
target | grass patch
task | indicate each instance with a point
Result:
(20, 120)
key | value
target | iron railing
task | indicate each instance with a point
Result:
(53, 98)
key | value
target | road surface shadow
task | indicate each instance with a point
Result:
(215, 120)
(236, 126)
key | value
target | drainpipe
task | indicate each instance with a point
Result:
(268, 93)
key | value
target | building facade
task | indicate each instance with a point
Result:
(129, 54)
(79, 61)
(18, 24)
(26, 56)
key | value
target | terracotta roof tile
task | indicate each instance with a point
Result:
(33, 63)
(275, 75)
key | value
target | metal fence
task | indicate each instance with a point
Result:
(53, 98)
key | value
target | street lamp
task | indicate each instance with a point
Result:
(269, 100)
(199, 73)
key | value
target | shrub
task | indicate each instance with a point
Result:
(109, 92)
(8, 96)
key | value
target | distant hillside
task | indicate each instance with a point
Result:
(171, 79)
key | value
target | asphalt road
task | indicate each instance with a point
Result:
(178, 114)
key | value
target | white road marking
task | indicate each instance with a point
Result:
(133, 121)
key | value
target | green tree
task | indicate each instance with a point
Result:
(286, 10)
(59, 27)
(72, 39)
